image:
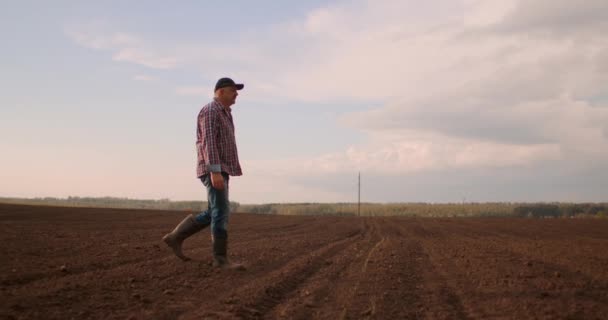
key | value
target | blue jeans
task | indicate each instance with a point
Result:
(218, 208)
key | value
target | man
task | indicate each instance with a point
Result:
(217, 161)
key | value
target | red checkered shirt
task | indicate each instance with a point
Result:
(215, 141)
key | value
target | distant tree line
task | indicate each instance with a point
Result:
(387, 209)
(498, 209)
(114, 202)
(561, 210)
(488, 209)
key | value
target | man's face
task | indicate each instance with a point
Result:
(228, 95)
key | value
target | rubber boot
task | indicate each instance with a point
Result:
(184, 229)
(220, 256)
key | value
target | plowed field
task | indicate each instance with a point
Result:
(75, 263)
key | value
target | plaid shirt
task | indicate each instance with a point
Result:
(215, 141)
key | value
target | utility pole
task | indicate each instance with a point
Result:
(359, 197)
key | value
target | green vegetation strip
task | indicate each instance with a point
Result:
(497, 209)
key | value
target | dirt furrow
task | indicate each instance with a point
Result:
(132, 252)
(258, 298)
(352, 296)
(301, 267)
(317, 297)
(486, 268)
(124, 282)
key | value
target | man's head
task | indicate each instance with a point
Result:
(226, 91)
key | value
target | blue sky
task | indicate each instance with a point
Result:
(484, 100)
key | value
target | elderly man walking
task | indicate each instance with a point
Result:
(217, 161)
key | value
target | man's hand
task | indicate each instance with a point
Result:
(217, 180)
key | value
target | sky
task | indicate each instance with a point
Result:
(432, 101)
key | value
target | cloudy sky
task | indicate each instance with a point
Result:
(435, 101)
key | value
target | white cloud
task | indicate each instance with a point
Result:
(143, 77)
(405, 151)
(458, 84)
(126, 47)
(144, 58)
(102, 41)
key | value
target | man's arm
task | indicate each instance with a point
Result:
(209, 126)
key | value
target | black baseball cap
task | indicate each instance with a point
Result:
(227, 82)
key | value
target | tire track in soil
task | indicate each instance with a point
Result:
(375, 278)
(543, 242)
(90, 268)
(360, 275)
(485, 267)
(400, 282)
(537, 280)
(574, 254)
(440, 299)
(164, 275)
(317, 297)
(70, 232)
(115, 262)
(258, 299)
(446, 269)
(397, 272)
(142, 261)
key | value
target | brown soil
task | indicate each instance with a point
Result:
(75, 263)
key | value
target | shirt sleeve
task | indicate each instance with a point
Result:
(209, 144)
